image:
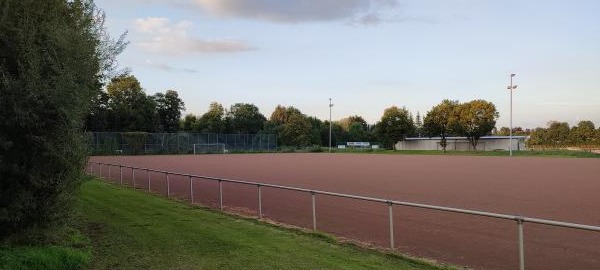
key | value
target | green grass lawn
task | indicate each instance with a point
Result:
(65, 249)
(133, 230)
(43, 258)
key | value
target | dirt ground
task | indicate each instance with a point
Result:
(562, 189)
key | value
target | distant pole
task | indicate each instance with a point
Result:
(510, 88)
(330, 105)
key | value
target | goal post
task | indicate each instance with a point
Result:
(208, 148)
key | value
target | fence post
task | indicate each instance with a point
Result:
(99, 170)
(133, 176)
(521, 244)
(259, 202)
(148, 172)
(168, 185)
(221, 195)
(92, 168)
(121, 174)
(109, 172)
(391, 217)
(191, 190)
(314, 210)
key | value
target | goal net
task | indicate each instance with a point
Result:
(207, 148)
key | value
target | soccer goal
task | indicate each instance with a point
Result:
(206, 148)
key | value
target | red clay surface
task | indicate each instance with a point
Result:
(549, 188)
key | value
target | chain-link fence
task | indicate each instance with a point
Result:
(135, 143)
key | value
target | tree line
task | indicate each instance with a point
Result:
(124, 107)
(560, 134)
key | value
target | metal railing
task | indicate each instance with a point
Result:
(520, 220)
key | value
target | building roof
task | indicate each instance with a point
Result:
(464, 138)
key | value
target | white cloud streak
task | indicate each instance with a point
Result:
(357, 11)
(167, 67)
(160, 35)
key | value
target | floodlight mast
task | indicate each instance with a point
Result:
(510, 88)
(330, 105)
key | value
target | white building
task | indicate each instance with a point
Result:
(487, 143)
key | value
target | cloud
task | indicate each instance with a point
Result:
(369, 19)
(360, 11)
(167, 67)
(160, 35)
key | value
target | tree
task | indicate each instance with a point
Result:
(338, 135)
(246, 118)
(346, 123)
(99, 114)
(442, 120)
(355, 127)
(213, 120)
(394, 126)
(503, 131)
(517, 131)
(130, 108)
(50, 70)
(297, 131)
(475, 119)
(293, 128)
(558, 133)
(168, 109)
(282, 114)
(315, 133)
(188, 122)
(583, 134)
(418, 125)
(537, 137)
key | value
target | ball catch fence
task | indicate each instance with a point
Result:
(136, 143)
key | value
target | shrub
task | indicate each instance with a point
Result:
(49, 72)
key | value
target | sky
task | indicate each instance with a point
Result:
(367, 55)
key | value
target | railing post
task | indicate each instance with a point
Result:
(191, 190)
(391, 217)
(99, 170)
(148, 172)
(121, 174)
(91, 168)
(221, 195)
(259, 202)
(314, 210)
(108, 172)
(521, 243)
(133, 176)
(168, 185)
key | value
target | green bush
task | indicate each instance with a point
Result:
(49, 72)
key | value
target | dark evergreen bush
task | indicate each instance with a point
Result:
(50, 69)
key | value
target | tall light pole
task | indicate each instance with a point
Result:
(330, 105)
(510, 88)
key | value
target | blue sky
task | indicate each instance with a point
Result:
(367, 55)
